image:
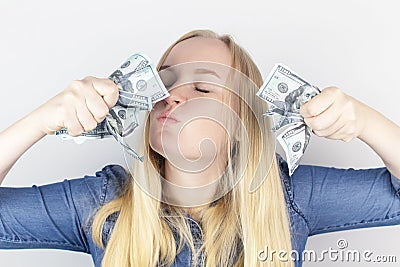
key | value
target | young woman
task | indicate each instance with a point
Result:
(133, 220)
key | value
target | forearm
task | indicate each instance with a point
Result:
(17, 139)
(383, 136)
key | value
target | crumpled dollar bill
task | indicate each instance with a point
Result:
(285, 92)
(140, 87)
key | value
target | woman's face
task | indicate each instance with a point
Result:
(186, 125)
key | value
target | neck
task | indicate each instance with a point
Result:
(189, 189)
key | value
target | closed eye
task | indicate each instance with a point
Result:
(201, 90)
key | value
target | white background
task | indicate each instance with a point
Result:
(46, 44)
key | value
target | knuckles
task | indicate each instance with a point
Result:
(88, 79)
(102, 114)
(76, 85)
(333, 90)
(311, 108)
(69, 96)
(75, 133)
(80, 85)
(67, 101)
(90, 125)
(349, 109)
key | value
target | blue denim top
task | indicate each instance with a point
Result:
(319, 200)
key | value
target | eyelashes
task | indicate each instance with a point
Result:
(201, 90)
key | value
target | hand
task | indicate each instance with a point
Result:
(80, 107)
(334, 115)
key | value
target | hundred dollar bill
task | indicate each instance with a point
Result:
(294, 141)
(97, 133)
(285, 92)
(140, 87)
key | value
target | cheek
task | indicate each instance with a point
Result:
(204, 133)
(211, 128)
(199, 134)
(200, 138)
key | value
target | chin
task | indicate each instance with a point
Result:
(171, 152)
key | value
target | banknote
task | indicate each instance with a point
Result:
(294, 141)
(284, 85)
(285, 92)
(140, 87)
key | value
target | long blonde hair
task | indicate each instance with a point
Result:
(235, 228)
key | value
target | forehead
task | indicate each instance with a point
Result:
(199, 49)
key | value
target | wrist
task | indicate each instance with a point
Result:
(374, 125)
(367, 116)
(36, 121)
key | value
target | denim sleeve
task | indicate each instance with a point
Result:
(55, 216)
(332, 199)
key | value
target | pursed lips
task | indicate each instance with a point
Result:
(167, 117)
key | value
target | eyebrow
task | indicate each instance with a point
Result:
(197, 71)
(207, 71)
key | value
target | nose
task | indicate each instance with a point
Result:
(176, 97)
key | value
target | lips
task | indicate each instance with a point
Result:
(167, 117)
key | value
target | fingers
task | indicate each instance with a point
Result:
(320, 102)
(71, 122)
(328, 121)
(85, 117)
(100, 95)
(331, 129)
(96, 105)
(87, 102)
(332, 116)
(107, 89)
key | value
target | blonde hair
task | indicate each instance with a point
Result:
(235, 228)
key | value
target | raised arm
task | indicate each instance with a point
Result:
(80, 107)
(335, 115)
(383, 136)
(17, 139)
